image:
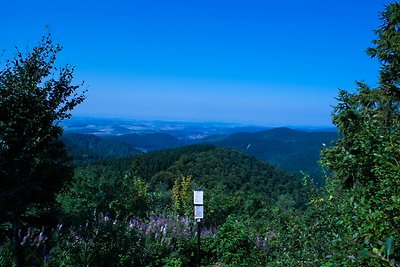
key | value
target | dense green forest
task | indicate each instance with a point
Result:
(242, 183)
(137, 210)
(296, 151)
(87, 148)
(293, 150)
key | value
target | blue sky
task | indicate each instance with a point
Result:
(264, 62)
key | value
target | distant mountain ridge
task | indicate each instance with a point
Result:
(292, 150)
(148, 142)
(85, 148)
(183, 130)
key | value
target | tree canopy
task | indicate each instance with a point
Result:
(365, 161)
(35, 96)
(136, 211)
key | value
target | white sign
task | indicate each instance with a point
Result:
(198, 197)
(198, 212)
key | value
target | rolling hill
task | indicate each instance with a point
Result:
(86, 148)
(235, 183)
(292, 150)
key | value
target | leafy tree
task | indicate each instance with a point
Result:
(99, 189)
(181, 195)
(365, 161)
(35, 97)
(387, 51)
(235, 183)
(368, 120)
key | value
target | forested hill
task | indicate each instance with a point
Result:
(234, 182)
(86, 148)
(292, 150)
(209, 166)
(150, 141)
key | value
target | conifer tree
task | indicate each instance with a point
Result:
(366, 160)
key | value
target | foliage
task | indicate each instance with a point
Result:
(137, 211)
(34, 97)
(167, 240)
(148, 165)
(98, 189)
(234, 183)
(233, 243)
(148, 142)
(100, 242)
(6, 254)
(291, 150)
(181, 195)
(155, 241)
(365, 161)
(386, 50)
(89, 148)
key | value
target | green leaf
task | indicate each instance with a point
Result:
(389, 247)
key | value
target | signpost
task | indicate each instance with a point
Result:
(198, 212)
(198, 215)
(198, 197)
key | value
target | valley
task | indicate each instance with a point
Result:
(295, 150)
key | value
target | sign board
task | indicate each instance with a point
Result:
(198, 197)
(198, 212)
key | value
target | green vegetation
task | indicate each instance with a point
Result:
(365, 162)
(238, 188)
(235, 183)
(34, 97)
(293, 150)
(148, 142)
(136, 211)
(89, 148)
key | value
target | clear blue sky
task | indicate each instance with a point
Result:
(266, 62)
